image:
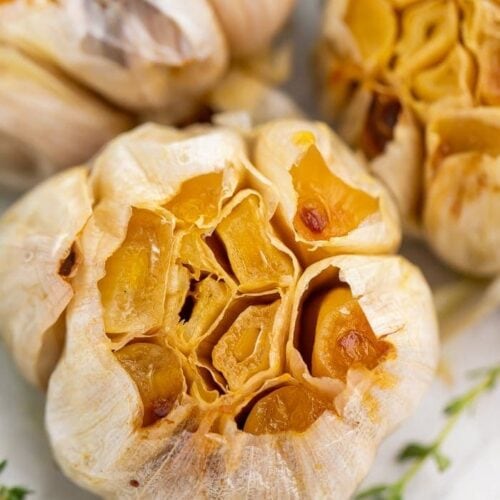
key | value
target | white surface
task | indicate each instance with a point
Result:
(474, 446)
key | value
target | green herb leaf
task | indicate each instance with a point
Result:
(456, 406)
(381, 492)
(12, 492)
(442, 461)
(414, 450)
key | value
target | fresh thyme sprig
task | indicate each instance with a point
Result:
(419, 453)
(12, 492)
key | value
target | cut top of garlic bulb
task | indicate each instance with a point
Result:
(204, 355)
(389, 91)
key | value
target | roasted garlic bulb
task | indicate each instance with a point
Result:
(228, 329)
(76, 73)
(413, 86)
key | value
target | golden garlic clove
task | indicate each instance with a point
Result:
(257, 263)
(339, 339)
(328, 204)
(441, 67)
(373, 25)
(133, 289)
(480, 34)
(289, 408)
(429, 32)
(157, 372)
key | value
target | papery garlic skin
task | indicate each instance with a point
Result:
(249, 25)
(463, 193)
(153, 57)
(55, 135)
(118, 63)
(441, 61)
(36, 236)
(192, 215)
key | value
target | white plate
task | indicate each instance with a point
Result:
(474, 446)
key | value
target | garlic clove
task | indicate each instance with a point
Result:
(365, 216)
(480, 34)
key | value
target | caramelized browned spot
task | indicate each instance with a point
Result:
(327, 206)
(380, 123)
(343, 337)
(68, 264)
(290, 408)
(314, 216)
(157, 372)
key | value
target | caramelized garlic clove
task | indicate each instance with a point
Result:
(134, 286)
(157, 372)
(342, 209)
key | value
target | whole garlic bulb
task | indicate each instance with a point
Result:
(222, 339)
(412, 85)
(116, 63)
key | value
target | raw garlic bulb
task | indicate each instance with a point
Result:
(76, 73)
(413, 86)
(208, 352)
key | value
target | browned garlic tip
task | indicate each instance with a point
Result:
(208, 351)
(118, 63)
(412, 84)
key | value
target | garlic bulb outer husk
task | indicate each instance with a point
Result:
(138, 55)
(104, 455)
(463, 196)
(50, 99)
(249, 25)
(434, 74)
(37, 235)
(241, 92)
